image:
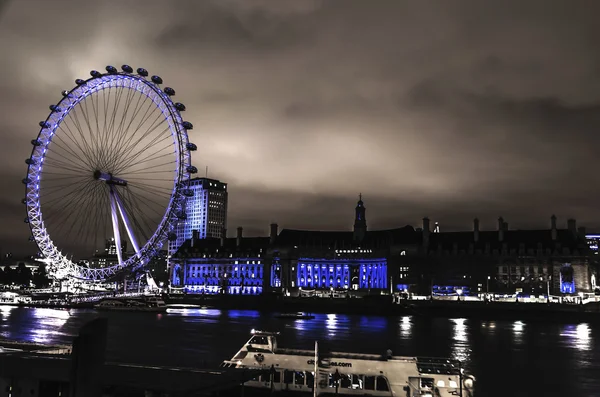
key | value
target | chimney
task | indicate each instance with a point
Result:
(572, 226)
(238, 240)
(553, 227)
(273, 234)
(425, 231)
(195, 237)
(500, 229)
(223, 237)
(476, 230)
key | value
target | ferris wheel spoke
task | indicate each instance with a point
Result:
(83, 150)
(48, 189)
(153, 191)
(85, 145)
(57, 164)
(70, 150)
(126, 144)
(83, 231)
(127, 151)
(149, 168)
(94, 139)
(135, 217)
(77, 203)
(134, 157)
(160, 190)
(140, 218)
(145, 202)
(113, 117)
(84, 207)
(96, 110)
(151, 157)
(126, 222)
(121, 128)
(112, 143)
(49, 204)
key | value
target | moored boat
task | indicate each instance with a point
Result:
(295, 316)
(346, 374)
(147, 304)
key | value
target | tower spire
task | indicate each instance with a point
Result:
(360, 220)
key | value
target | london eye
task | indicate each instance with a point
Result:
(111, 160)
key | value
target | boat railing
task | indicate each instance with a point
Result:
(433, 365)
(294, 352)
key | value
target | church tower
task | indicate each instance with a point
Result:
(360, 220)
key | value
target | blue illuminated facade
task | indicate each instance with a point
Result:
(342, 273)
(567, 281)
(234, 266)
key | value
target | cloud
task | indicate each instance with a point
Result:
(448, 109)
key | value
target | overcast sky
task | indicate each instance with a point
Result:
(446, 109)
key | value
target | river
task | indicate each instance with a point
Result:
(507, 358)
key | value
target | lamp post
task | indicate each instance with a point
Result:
(487, 285)
(548, 287)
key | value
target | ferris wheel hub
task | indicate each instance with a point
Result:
(109, 178)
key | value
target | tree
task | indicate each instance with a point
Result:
(8, 275)
(40, 277)
(23, 276)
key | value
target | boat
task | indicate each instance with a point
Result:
(183, 306)
(292, 371)
(147, 304)
(295, 316)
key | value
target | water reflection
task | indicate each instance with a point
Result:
(331, 324)
(374, 323)
(302, 325)
(578, 337)
(518, 331)
(405, 327)
(460, 346)
(46, 324)
(5, 312)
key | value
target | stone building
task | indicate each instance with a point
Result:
(505, 261)
(361, 261)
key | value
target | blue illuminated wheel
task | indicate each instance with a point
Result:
(112, 160)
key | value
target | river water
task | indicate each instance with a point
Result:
(507, 358)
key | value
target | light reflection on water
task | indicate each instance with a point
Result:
(46, 324)
(405, 327)
(518, 331)
(460, 348)
(331, 324)
(578, 336)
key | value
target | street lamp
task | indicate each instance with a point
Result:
(459, 292)
(487, 285)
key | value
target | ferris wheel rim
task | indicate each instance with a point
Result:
(178, 131)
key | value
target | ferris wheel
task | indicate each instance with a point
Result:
(108, 174)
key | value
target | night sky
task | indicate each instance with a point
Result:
(446, 109)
